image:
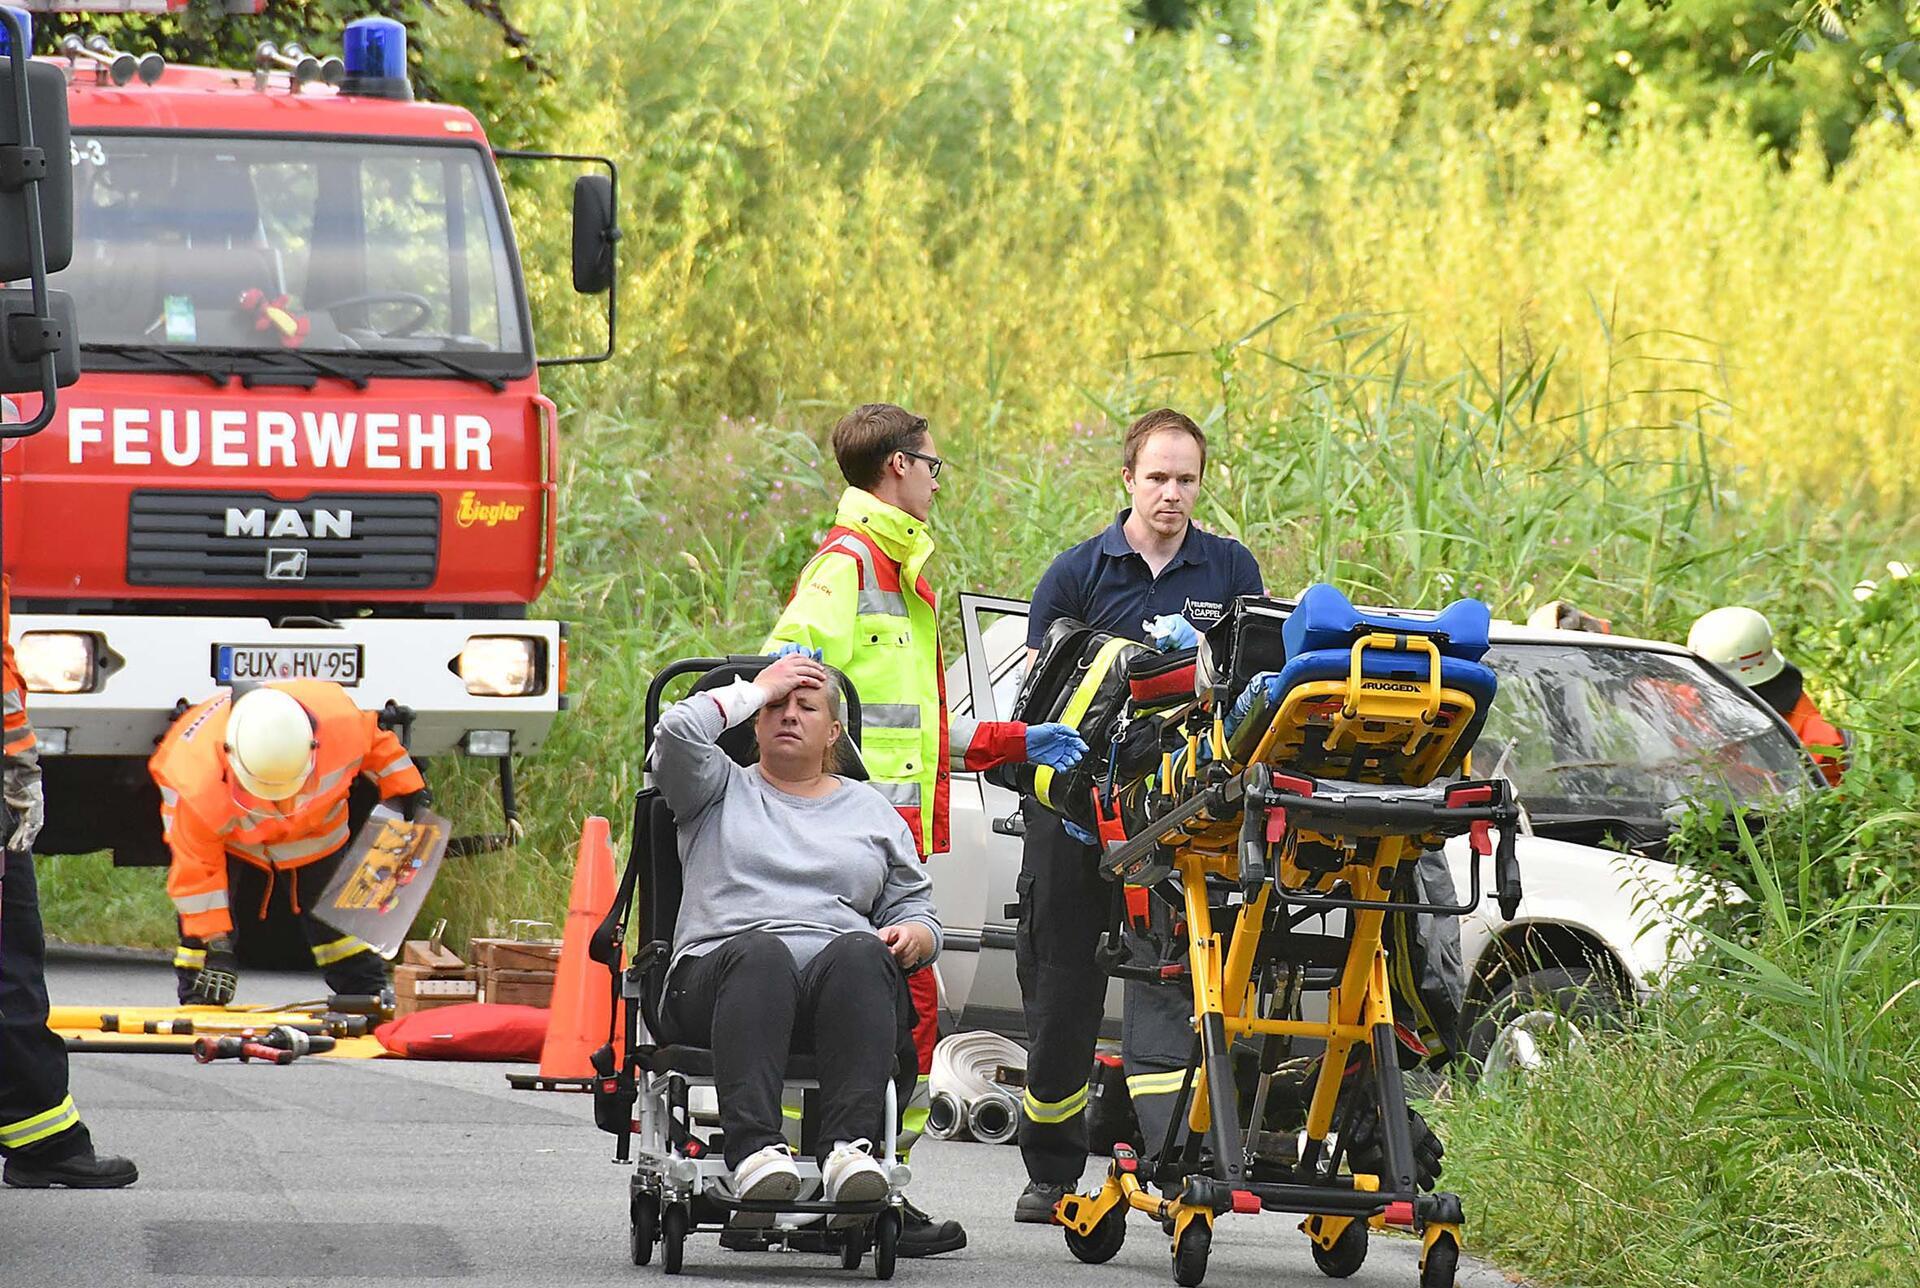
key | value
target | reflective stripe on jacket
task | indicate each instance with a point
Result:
(206, 817)
(853, 603)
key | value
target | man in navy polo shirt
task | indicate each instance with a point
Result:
(1152, 576)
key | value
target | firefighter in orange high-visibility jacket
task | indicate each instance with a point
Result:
(41, 1134)
(253, 800)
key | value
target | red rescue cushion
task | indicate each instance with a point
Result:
(469, 1031)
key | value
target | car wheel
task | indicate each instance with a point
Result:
(1542, 1012)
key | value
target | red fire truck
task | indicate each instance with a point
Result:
(309, 439)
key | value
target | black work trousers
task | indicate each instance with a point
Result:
(752, 1006)
(37, 1115)
(1065, 905)
(349, 965)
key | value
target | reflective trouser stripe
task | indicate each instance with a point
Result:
(192, 903)
(913, 1121)
(1053, 1111)
(1156, 1084)
(40, 1126)
(339, 950)
(185, 958)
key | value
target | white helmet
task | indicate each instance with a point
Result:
(1741, 641)
(270, 743)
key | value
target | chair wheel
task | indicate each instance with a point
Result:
(886, 1243)
(1103, 1244)
(1441, 1263)
(1346, 1254)
(1190, 1254)
(644, 1217)
(673, 1237)
(853, 1249)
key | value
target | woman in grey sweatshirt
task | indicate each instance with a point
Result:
(804, 901)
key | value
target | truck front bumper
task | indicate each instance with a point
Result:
(147, 666)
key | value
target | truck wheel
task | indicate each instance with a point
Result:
(1539, 1013)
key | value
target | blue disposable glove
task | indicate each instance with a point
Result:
(1171, 631)
(1266, 682)
(1079, 833)
(786, 649)
(1056, 746)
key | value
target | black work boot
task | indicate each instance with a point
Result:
(922, 1236)
(1036, 1203)
(82, 1171)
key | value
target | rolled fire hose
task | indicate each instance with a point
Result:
(965, 1099)
(993, 1119)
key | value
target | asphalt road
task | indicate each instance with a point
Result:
(389, 1171)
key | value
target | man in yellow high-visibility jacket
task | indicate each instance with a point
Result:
(864, 606)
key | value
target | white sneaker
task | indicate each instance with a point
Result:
(764, 1176)
(852, 1175)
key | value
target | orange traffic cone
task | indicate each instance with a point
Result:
(582, 991)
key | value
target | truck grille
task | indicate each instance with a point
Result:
(329, 540)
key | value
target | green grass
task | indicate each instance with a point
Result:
(1759, 1123)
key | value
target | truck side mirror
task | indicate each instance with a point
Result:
(44, 157)
(39, 347)
(595, 230)
(26, 335)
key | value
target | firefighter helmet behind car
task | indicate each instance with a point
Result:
(270, 743)
(1738, 640)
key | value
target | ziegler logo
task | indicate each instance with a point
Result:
(323, 526)
(489, 513)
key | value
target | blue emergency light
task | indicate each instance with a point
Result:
(6, 30)
(375, 52)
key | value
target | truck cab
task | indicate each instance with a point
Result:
(309, 440)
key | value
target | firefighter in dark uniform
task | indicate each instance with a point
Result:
(1152, 575)
(41, 1134)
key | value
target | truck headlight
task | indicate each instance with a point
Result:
(56, 661)
(500, 666)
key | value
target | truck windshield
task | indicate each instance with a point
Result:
(238, 245)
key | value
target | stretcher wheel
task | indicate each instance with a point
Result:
(673, 1237)
(645, 1218)
(853, 1249)
(886, 1243)
(1441, 1263)
(1104, 1243)
(1190, 1254)
(1346, 1254)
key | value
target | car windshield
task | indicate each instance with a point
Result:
(1628, 733)
(185, 246)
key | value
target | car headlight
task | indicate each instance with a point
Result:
(500, 666)
(56, 661)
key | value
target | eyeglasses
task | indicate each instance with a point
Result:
(934, 463)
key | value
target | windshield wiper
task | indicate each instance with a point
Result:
(297, 357)
(179, 361)
(465, 371)
(320, 366)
